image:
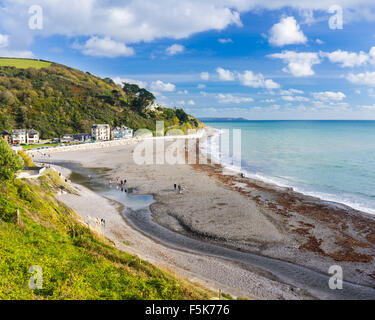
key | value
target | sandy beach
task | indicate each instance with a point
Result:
(219, 208)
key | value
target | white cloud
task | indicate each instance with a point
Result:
(224, 41)
(205, 76)
(183, 103)
(294, 98)
(368, 107)
(183, 92)
(250, 79)
(228, 98)
(144, 21)
(299, 63)
(329, 96)
(119, 80)
(123, 21)
(269, 100)
(9, 53)
(287, 31)
(290, 92)
(16, 53)
(318, 41)
(174, 49)
(160, 86)
(201, 86)
(225, 75)
(366, 78)
(4, 40)
(347, 59)
(104, 47)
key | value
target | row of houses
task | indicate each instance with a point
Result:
(99, 132)
(103, 132)
(21, 136)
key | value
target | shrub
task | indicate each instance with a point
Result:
(10, 163)
(28, 162)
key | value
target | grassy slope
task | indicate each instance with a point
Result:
(77, 264)
(23, 63)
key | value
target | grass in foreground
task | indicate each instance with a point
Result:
(76, 263)
(23, 63)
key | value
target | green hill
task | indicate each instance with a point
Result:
(55, 100)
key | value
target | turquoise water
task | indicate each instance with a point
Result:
(332, 160)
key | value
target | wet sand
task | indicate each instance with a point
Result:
(221, 208)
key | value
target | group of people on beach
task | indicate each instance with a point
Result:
(118, 181)
(119, 184)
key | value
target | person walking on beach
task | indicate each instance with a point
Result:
(175, 186)
(179, 188)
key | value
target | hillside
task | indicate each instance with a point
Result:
(76, 262)
(55, 100)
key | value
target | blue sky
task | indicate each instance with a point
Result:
(240, 58)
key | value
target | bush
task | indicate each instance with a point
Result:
(28, 162)
(10, 163)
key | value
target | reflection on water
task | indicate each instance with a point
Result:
(138, 213)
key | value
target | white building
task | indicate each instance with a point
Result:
(22, 136)
(153, 106)
(122, 133)
(101, 132)
(32, 137)
(19, 136)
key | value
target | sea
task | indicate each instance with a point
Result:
(330, 160)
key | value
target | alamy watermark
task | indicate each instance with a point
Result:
(336, 20)
(174, 147)
(36, 280)
(36, 18)
(335, 282)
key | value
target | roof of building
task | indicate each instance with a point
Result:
(15, 131)
(122, 128)
(100, 125)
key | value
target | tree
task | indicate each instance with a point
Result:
(168, 114)
(180, 113)
(10, 163)
(129, 88)
(176, 121)
(146, 95)
(7, 98)
(27, 161)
